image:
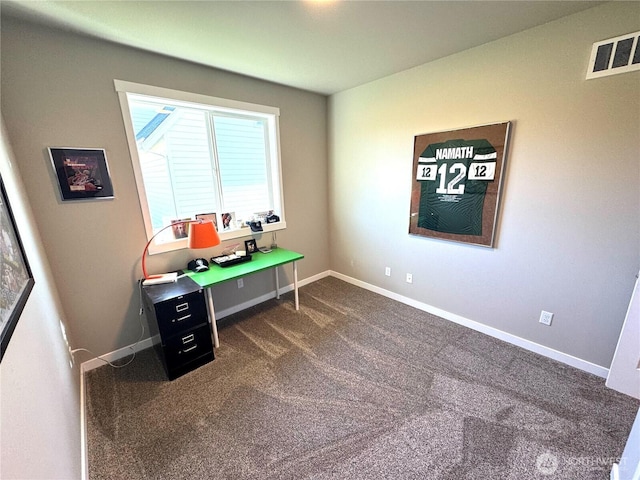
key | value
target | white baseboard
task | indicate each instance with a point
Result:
(117, 354)
(614, 472)
(84, 462)
(480, 327)
(267, 296)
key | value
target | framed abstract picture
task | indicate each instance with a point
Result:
(17, 280)
(456, 183)
(82, 173)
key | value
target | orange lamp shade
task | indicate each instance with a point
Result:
(203, 235)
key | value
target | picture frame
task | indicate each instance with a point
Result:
(209, 216)
(457, 178)
(17, 279)
(250, 246)
(228, 220)
(82, 173)
(180, 228)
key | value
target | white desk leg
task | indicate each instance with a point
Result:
(295, 284)
(277, 283)
(212, 317)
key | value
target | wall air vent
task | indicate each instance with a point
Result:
(616, 55)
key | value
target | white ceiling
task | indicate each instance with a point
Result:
(321, 46)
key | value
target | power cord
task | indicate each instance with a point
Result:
(131, 347)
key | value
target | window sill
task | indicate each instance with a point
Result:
(225, 235)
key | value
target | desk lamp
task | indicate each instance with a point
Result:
(202, 234)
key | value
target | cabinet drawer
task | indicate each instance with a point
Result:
(181, 313)
(187, 345)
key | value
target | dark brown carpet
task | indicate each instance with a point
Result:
(354, 386)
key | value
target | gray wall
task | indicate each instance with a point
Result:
(39, 389)
(569, 227)
(57, 90)
(568, 238)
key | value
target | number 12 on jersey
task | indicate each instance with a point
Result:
(426, 171)
(477, 171)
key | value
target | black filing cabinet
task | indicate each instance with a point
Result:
(177, 312)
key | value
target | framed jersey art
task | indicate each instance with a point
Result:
(456, 184)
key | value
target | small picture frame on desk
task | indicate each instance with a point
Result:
(250, 246)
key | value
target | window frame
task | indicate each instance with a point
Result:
(224, 106)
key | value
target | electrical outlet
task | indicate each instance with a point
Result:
(387, 271)
(409, 278)
(240, 283)
(546, 317)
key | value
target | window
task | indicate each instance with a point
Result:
(194, 155)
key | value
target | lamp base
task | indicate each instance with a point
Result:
(164, 278)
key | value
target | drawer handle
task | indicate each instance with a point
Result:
(180, 319)
(188, 339)
(190, 348)
(182, 307)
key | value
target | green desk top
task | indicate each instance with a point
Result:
(259, 261)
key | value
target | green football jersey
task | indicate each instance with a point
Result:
(454, 177)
